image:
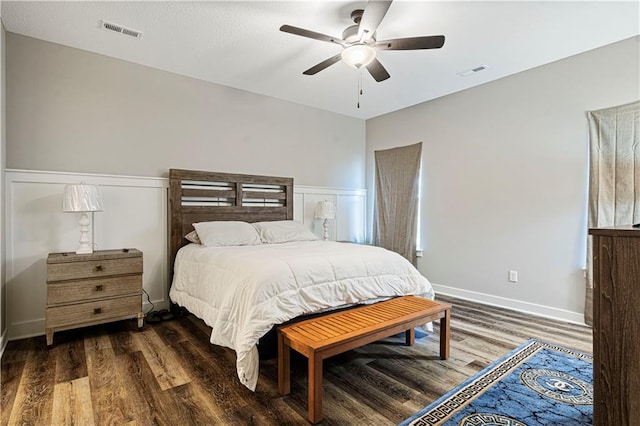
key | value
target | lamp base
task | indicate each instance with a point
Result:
(325, 234)
(84, 250)
(85, 247)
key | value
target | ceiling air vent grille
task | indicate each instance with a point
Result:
(110, 26)
(473, 70)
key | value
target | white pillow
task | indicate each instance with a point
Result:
(226, 233)
(282, 231)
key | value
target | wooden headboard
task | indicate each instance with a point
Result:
(197, 196)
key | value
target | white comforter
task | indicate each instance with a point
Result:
(242, 292)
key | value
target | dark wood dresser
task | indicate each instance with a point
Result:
(616, 326)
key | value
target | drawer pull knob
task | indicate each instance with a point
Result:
(98, 268)
(99, 287)
(97, 311)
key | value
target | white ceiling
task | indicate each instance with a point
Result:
(238, 44)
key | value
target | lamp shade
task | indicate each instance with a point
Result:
(325, 210)
(81, 198)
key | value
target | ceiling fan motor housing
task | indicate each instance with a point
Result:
(356, 15)
(350, 35)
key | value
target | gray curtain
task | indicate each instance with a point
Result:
(614, 176)
(396, 203)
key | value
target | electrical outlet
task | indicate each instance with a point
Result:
(513, 276)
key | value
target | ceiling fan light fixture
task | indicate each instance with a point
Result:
(358, 55)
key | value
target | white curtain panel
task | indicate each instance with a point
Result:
(614, 176)
(396, 204)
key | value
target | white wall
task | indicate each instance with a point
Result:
(505, 175)
(74, 111)
(134, 216)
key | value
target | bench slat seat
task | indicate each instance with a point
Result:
(321, 337)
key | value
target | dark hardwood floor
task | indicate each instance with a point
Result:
(169, 373)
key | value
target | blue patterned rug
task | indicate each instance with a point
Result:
(536, 384)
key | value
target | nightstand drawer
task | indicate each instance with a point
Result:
(65, 292)
(93, 269)
(93, 312)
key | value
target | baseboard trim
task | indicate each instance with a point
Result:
(516, 305)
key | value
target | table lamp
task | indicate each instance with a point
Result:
(83, 198)
(325, 210)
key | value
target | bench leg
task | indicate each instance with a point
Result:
(410, 336)
(445, 334)
(315, 389)
(284, 374)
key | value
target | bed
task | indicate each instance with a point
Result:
(242, 287)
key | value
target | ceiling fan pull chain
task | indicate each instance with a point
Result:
(359, 86)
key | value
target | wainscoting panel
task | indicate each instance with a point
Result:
(135, 215)
(349, 224)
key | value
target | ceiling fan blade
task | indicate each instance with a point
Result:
(322, 65)
(311, 34)
(411, 43)
(373, 15)
(377, 71)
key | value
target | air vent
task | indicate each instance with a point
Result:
(473, 70)
(110, 26)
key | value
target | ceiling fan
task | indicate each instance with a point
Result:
(359, 43)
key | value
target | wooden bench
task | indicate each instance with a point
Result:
(321, 337)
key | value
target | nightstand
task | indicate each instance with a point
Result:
(95, 288)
